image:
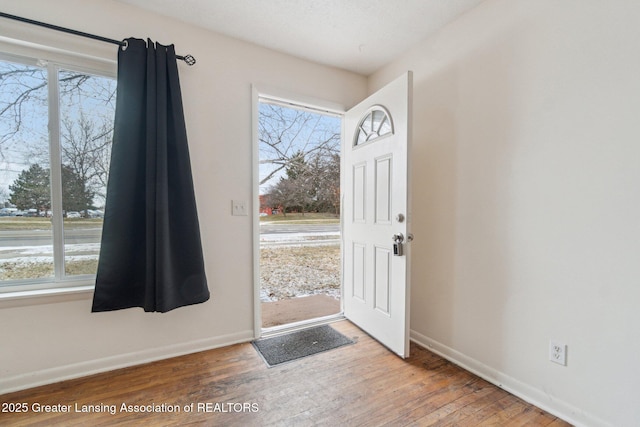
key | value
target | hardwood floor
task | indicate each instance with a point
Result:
(356, 385)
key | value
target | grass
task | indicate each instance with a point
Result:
(35, 223)
(8, 223)
(298, 218)
(18, 271)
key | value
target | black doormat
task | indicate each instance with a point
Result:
(299, 344)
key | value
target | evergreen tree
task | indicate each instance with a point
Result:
(31, 189)
(297, 167)
(75, 194)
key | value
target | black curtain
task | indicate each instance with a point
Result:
(151, 253)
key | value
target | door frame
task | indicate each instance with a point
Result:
(315, 104)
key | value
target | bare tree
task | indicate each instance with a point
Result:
(312, 185)
(4, 197)
(20, 86)
(284, 132)
(325, 176)
(86, 150)
(23, 86)
(86, 104)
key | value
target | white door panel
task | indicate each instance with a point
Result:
(375, 208)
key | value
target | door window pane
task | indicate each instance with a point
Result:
(375, 124)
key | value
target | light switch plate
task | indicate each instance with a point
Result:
(239, 208)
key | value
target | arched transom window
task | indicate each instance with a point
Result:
(375, 124)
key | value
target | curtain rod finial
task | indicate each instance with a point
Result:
(189, 59)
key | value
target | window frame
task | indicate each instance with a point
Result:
(53, 60)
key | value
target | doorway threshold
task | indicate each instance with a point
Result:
(296, 326)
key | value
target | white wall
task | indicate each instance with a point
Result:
(527, 199)
(46, 342)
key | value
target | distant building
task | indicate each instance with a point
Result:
(265, 208)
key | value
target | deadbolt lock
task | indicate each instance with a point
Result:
(398, 249)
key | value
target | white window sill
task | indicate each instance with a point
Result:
(45, 296)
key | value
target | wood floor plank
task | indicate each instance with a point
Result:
(533, 417)
(359, 384)
(424, 416)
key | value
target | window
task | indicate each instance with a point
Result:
(56, 129)
(375, 124)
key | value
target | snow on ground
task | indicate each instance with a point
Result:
(291, 264)
(23, 262)
(297, 237)
(293, 271)
(48, 249)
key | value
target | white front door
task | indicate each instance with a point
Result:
(375, 209)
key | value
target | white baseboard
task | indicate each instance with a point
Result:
(81, 369)
(532, 395)
(522, 390)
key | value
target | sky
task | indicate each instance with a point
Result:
(31, 143)
(289, 130)
(14, 152)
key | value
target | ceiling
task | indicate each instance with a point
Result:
(356, 35)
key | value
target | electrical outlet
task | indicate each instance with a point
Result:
(238, 208)
(558, 352)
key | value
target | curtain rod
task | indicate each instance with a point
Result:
(190, 60)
